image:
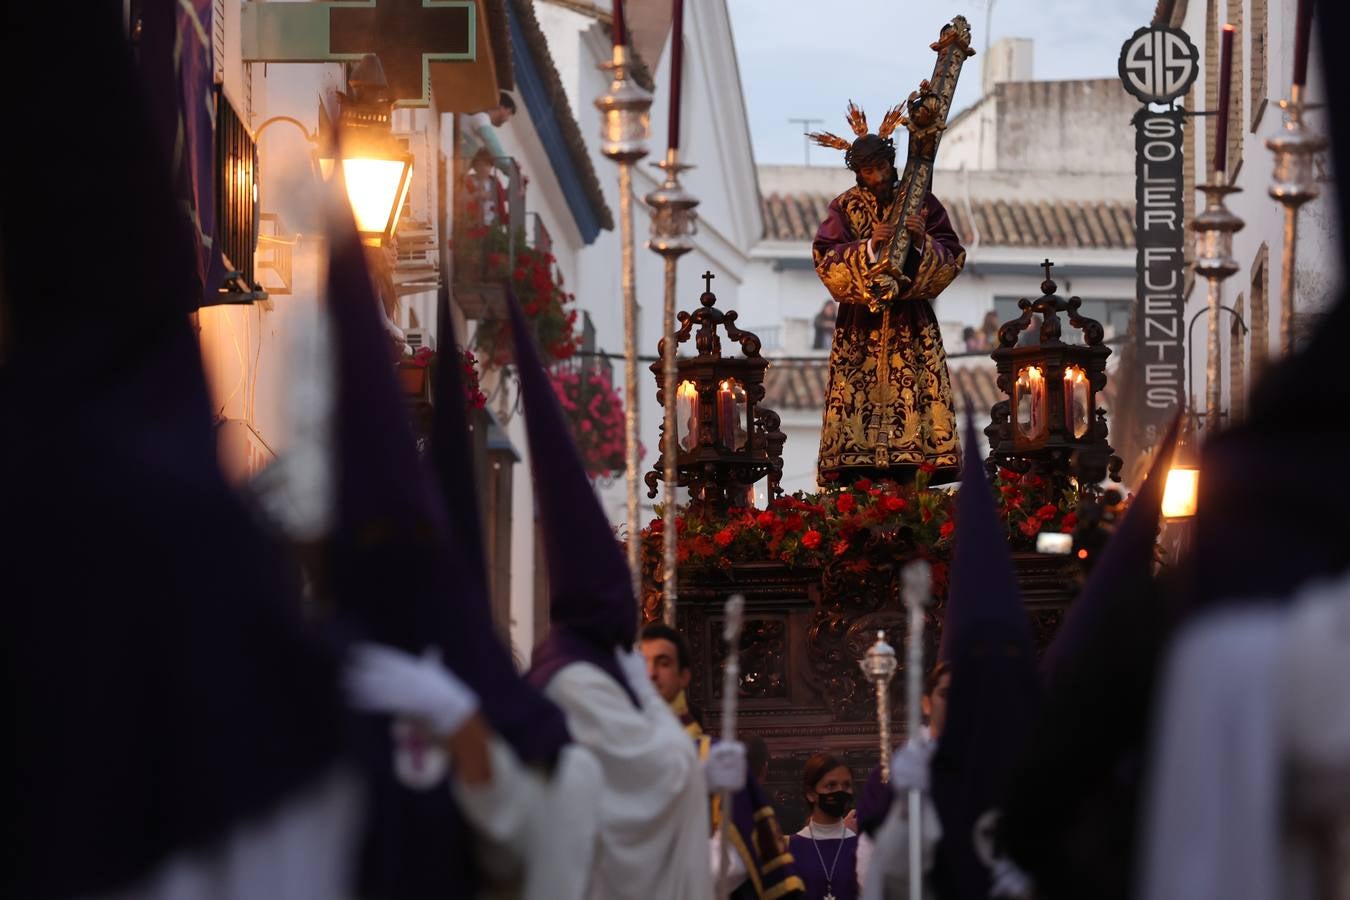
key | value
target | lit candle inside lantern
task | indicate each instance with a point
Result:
(1225, 89)
(686, 411)
(616, 24)
(726, 415)
(1302, 34)
(1075, 401)
(1029, 394)
(676, 73)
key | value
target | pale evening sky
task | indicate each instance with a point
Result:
(805, 58)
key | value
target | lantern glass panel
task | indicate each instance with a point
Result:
(731, 415)
(686, 415)
(1077, 403)
(1030, 401)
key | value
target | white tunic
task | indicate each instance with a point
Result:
(302, 849)
(653, 806)
(539, 832)
(1253, 702)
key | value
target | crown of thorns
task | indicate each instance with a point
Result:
(861, 149)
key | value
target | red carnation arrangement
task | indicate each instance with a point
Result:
(538, 286)
(595, 411)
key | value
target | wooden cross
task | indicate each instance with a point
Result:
(707, 282)
(407, 36)
(1047, 265)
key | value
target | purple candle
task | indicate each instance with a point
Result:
(1225, 89)
(616, 24)
(1301, 35)
(676, 72)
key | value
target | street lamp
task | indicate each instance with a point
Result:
(376, 170)
(1182, 488)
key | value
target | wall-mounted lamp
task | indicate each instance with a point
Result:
(376, 169)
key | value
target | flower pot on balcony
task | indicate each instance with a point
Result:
(412, 379)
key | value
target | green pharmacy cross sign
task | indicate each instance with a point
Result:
(412, 38)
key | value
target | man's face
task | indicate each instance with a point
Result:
(876, 175)
(499, 115)
(663, 668)
(935, 705)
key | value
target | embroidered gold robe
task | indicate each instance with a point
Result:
(888, 406)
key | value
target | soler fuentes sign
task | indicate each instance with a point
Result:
(1158, 65)
(1160, 233)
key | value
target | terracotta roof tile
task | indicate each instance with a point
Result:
(1105, 224)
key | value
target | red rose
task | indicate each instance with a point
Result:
(1069, 521)
(846, 503)
(1008, 490)
(893, 504)
(682, 552)
(765, 520)
(657, 526)
(703, 546)
(811, 540)
(862, 484)
(947, 529)
(1048, 511)
(1029, 527)
(793, 522)
(724, 537)
(841, 548)
(1008, 475)
(927, 468)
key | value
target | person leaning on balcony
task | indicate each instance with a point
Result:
(477, 131)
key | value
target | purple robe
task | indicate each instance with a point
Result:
(888, 406)
(814, 868)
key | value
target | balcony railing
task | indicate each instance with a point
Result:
(275, 254)
(489, 228)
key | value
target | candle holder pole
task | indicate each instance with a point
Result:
(1292, 185)
(624, 127)
(1214, 229)
(673, 222)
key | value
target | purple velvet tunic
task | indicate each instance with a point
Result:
(844, 885)
(888, 406)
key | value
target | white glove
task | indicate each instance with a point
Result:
(634, 667)
(383, 679)
(1006, 880)
(724, 769)
(909, 767)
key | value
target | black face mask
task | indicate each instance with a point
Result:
(835, 803)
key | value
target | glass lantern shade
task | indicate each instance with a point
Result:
(686, 415)
(1216, 244)
(1180, 492)
(1029, 400)
(732, 425)
(377, 186)
(1077, 402)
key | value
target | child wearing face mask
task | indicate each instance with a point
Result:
(826, 850)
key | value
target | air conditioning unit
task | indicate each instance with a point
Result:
(418, 338)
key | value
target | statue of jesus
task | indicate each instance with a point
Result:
(888, 406)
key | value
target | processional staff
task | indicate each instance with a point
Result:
(733, 618)
(623, 138)
(671, 227)
(916, 584)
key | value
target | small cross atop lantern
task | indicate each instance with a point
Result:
(725, 440)
(1050, 422)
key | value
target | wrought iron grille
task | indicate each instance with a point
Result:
(236, 196)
